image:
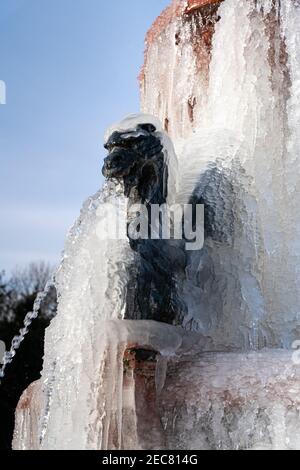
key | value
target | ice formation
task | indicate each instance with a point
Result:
(233, 401)
(85, 402)
(243, 136)
(224, 78)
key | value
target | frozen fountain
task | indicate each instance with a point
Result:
(223, 77)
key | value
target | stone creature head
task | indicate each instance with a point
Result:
(135, 157)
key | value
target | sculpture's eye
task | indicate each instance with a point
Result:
(147, 127)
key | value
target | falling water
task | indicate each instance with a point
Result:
(17, 340)
(91, 285)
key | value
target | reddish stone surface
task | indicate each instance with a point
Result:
(25, 401)
(177, 8)
(29, 411)
(196, 4)
(149, 427)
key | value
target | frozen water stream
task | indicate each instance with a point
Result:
(29, 318)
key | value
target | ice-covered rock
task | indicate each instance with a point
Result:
(98, 410)
(175, 75)
(28, 415)
(200, 401)
(232, 401)
(240, 146)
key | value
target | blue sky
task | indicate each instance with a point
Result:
(70, 68)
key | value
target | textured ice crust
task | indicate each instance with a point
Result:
(87, 409)
(92, 267)
(239, 144)
(232, 401)
(130, 123)
(205, 400)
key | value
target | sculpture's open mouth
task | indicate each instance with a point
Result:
(122, 155)
(120, 161)
(129, 149)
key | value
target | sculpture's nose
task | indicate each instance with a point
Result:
(107, 167)
(118, 163)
